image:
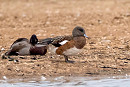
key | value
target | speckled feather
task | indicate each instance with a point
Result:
(59, 39)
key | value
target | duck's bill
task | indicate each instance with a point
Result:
(86, 36)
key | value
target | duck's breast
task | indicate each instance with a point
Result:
(80, 42)
(38, 50)
(72, 51)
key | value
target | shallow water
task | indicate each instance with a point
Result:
(113, 81)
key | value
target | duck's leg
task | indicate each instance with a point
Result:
(6, 56)
(66, 59)
(34, 57)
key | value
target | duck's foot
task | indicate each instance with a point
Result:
(3, 56)
(34, 58)
(66, 59)
(10, 59)
(69, 61)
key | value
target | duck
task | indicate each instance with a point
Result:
(23, 46)
(67, 45)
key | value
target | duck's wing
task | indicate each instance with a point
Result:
(19, 44)
(61, 40)
(20, 40)
(56, 41)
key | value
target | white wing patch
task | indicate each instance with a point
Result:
(63, 42)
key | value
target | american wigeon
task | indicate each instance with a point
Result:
(23, 46)
(68, 45)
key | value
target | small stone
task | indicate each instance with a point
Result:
(24, 15)
(119, 70)
(48, 22)
(2, 49)
(16, 61)
(59, 78)
(52, 34)
(63, 28)
(4, 77)
(43, 78)
(38, 64)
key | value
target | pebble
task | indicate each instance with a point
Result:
(2, 49)
(47, 22)
(63, 28)
(59, 78)
(43, 78)
(119, 70)
(4, 77)
(52, 34)
(24, 15)
(16, 61)
(32, 81)
(106, 41)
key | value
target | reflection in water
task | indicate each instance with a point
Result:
(115, 81)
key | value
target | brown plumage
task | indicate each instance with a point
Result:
(64, 47)
(35, 50)
(68, 45)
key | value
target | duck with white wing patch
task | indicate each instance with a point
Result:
(68, 45)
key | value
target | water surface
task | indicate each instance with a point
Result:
(113, 81)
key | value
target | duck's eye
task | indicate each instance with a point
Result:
(81, 30)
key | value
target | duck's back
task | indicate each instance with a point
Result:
(21, 46)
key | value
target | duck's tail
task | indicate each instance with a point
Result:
(5, 55)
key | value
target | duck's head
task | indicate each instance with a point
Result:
(33, 39)
(79, 31)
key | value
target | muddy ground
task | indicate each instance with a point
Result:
(107, 22)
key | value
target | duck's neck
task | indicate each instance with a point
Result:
(80, 42)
